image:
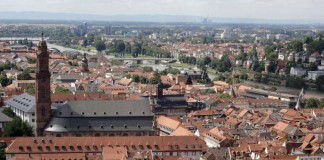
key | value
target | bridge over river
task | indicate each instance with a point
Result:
(139, 60)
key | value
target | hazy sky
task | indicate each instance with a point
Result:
(265, 9)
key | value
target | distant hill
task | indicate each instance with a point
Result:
(135, 18)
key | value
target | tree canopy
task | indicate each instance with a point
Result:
(312, 103)
(24, 76)
(100, 46)
(17, 128)
(60, 89)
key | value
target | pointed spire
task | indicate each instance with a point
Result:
(302, 93)
(298, 104)
(232, 92)
(42, 46)
(42, 36)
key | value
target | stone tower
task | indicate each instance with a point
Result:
(84, 64)
(43, 89)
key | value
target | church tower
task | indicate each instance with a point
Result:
(84, 64)
(43, 89)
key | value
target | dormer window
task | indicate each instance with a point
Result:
(116, 113)
(94, 113)
(82, 113)
(130, 112)
(79, 148)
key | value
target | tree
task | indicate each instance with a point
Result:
(119, 46)
(143, 80)
(85, 43)
(320, 83)
(225, 64)
(312, 103)
(128, 48)
(295, 82)
(297, 46)
(4, 80)
(60, 89)
(188, 81)
(17, 128)
(272, 67)
(147, 69)
(24, 76)
(224, 95)
(7, 111)
(135, 51)
(100, 46)
(207, 60)
(30, 89)
(312, 67)
(136, 78)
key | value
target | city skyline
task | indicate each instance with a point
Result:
(255, 9)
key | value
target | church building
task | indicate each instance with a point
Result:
(87, 117)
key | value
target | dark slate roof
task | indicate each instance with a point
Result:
(24, 102)
(102, 115)
(104, 108)
(172, 101)
(4, 118)
(80, 124)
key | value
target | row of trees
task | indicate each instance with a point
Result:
(222, 65)
(136, 49)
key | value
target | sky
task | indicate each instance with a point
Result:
(260, 9)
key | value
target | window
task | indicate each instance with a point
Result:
(79, 148)
(33, 114)
(33, 120)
